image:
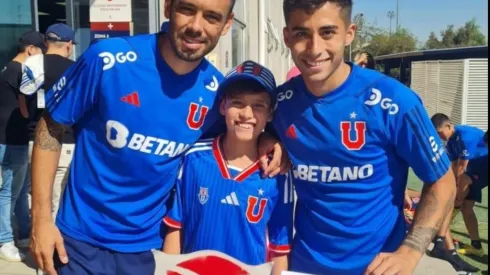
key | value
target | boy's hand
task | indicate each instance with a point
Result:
(279, 163)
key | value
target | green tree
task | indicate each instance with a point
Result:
(433, 42)
(448, 37)
(468, 35)
(383, 43)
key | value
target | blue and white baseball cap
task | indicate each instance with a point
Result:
(253, 71)
(62, 32)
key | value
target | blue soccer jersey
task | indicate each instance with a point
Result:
(467, 143)
(133, 118)
(351, 150)
(221, 208)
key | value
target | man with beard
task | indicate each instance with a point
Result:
(136, 104)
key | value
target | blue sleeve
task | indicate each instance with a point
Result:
(280, 226)
(414, 137)
(173, 218)
(77, 91)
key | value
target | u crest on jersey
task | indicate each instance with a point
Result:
(360, 130)
(254, 216)
(195, 119)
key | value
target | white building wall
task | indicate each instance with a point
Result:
(255, 35)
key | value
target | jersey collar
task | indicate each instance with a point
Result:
(220, 159)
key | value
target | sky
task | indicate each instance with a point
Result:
(423, 16)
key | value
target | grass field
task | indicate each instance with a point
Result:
(459, 230)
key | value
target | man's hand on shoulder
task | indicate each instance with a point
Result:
(280, 163)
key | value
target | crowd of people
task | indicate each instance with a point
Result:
(172, 155)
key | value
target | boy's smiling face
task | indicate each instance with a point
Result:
(246, 114)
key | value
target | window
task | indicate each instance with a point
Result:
(15, 19)
(238, 42)
(140, 13)
(238, 34)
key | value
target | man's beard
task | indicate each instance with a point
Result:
(188, 57)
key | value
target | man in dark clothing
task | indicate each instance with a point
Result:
(40, 74)
(14, 185)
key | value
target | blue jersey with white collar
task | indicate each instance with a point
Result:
(221, 208)
(133, 118)
(466, 143)
(351, 150)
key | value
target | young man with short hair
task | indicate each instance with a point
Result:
(468, 153)
(352, 135)
(137, 103)
(236, 212)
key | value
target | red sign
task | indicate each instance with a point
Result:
(205, 263)
(109, 26)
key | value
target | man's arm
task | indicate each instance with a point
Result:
(459, 167)
(45, 158)
(436, 202)
(416, 141)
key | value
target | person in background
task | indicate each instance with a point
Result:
(465, 145)
(365, 60)
(293, 72)
(40, 74)
(14, 183)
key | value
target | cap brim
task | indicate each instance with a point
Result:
(230, 80)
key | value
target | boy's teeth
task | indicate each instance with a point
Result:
(316, 63)
(245, 125)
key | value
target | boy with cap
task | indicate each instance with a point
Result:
(221, 202)
(14, 187)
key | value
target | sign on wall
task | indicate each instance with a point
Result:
(110, 11)
(103, 30)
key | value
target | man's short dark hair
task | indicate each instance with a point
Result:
(310, 6)
(439, 120)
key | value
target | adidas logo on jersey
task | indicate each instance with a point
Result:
(231, 199)
(132, 99)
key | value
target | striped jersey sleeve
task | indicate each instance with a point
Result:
(415, 139)
(174, 217)
(280, 226)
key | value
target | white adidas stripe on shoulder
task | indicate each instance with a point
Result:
(203, 142)
(288, 188)
(198, 148)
